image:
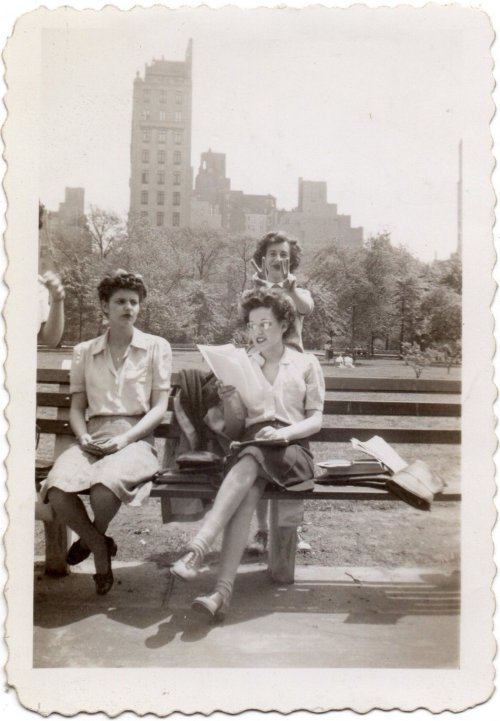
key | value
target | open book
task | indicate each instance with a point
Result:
(382, 451)
(232, 366)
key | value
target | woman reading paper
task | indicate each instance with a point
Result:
(285, 413)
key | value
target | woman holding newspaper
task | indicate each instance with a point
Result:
(272, 423)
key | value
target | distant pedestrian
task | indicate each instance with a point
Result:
(339, 361)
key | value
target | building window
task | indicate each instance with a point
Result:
(163, 115)
(177, 138)
(162, 136)
(178, 116)
(146, 135)
(178, 98)
(161, 157)
(177, 198)
(177, 178)
(145, 176)
(159, 218)
(163, 96)
(145, 155)
(160, 197)
(177, 157)
(144, 197)
(176, 220)
(161, 177)
(147, 95)
(146, 114)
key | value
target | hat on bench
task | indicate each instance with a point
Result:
(416, 484)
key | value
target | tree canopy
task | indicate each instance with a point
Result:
(375, 295)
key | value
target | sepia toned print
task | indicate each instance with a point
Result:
(332, 169)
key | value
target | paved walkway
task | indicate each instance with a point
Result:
(331, 617)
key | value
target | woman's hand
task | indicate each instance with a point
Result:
(290, 282)
(271, 434)
(112, 445)
(225, 392)
(88, 445)
(260, 282)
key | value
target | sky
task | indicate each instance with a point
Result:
(372, 103)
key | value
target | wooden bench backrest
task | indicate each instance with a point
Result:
(60, 399)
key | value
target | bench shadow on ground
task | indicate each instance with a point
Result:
(146, 595)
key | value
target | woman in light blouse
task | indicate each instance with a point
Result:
(288, 408)
(119, 385)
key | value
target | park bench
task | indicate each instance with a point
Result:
(55, 402)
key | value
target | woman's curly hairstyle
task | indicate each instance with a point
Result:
(279, 237)
(118, 280)
(280, 304)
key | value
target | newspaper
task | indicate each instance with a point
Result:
(232, 366)
(382, 451)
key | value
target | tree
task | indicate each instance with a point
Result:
(106, 230)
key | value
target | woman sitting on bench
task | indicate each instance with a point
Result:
(121, 380)
(288, 410)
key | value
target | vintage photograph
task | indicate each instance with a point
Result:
(249, 283)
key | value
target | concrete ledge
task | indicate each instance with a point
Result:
(331, 617)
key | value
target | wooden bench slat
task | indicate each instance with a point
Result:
(345, 492)
(390, 435)
(328, 435)
(396, 385)
(54, 399)
(333, 383)
(392, 408)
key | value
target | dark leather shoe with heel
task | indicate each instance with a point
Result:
(78, 553)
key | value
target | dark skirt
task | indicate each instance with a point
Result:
(291, 467)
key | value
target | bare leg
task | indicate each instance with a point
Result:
(105, 506)
(71, 511)
(232, 492)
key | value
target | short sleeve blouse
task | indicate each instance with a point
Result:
(298, 387)
(147, 367)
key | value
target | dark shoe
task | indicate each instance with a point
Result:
(213, 606)
(188, 566)
(103, 582)
(78, 553)
(259, 544)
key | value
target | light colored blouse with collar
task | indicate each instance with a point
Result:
(126, 392)
(298, 387)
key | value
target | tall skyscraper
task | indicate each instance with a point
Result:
(160, 151)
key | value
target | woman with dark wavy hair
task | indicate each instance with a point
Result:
(276, 258)
(119, 385)
(287, 409)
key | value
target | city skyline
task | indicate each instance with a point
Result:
(382, 134)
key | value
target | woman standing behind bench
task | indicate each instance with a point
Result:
(276, 258)
(121, 381)
(290, 408)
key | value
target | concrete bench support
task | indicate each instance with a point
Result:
(285, 517)
(57, 537)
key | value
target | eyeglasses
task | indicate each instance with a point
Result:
(265, 325)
